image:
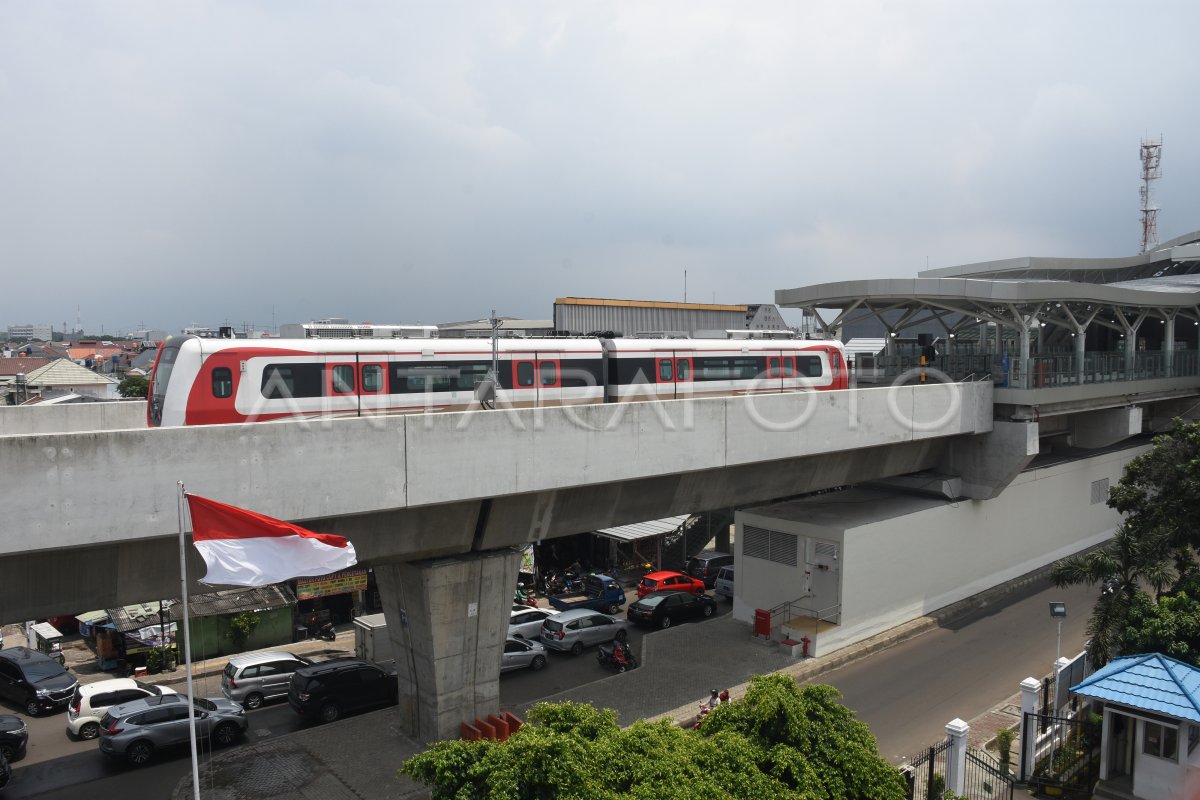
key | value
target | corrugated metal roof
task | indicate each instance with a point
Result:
(65, 373)
(643, 530)
(1150, 682)
(866, 345)
(230, 601)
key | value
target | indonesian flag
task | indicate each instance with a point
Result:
(242, 548)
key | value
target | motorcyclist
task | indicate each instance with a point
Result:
(714, 700)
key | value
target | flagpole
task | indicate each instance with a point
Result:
(187, 649)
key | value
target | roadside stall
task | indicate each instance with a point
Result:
(47, 639)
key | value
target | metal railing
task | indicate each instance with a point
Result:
(1046, 370)
(795, 608)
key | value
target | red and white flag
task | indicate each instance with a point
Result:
(242, 548)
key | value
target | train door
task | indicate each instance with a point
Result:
(683, 374)
(777, 370)
(524, 371)
(664, 374)
(372, 383)
(549, 379)
(341, 385)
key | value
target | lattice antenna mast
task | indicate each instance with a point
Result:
(1151, 158)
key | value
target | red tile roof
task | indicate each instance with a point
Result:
(26, 364)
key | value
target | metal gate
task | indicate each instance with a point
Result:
(985, 778)
(1066, 755)
(926, 773)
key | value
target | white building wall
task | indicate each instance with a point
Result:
(898, 569)
(1154, 776)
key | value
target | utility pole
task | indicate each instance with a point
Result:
(1151, 152)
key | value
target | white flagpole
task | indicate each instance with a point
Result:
(187, 650)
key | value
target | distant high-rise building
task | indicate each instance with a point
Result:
(42, 333)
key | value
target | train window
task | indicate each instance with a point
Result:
(809, 366)
(222, 382)
(773, 368)
(665, 373)
(343, 379)
(683, 370)
(524, 373)
(291, 380)
(713, 369)
(372, 378)
(626, 371)
(747, 369)
(581, 372)
(549, 372)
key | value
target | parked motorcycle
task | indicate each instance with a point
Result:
(618, 656)
(327, 632)
(523, 598)
(567, 582)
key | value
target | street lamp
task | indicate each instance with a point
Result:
(1058, 611)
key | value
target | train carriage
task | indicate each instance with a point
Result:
(213, 381)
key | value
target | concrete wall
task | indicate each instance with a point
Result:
(72, 417)
(78, 489)
(903, 557)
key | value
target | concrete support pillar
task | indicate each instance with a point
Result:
(1130, 353)
(1025, 381)
(1080, 355)
(988, 462)
(723, 543)
(447, 621)
(984, 345)
(1169, 345)
(1029, 703)
(956, 756)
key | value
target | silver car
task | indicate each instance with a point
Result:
(251, 678)
(578, 628)
(521, 653)
(134, 731)
(527, 623)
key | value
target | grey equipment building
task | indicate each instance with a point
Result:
(633, 317)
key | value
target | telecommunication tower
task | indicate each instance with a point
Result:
(1151, 157)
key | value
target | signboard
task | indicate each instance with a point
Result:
(351, 580)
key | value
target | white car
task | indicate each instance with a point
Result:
(527, 623)
(91, 700)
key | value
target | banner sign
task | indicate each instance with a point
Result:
(351, 580)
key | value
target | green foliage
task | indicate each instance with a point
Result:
(134, 386)
(242, 625)
(780, 743)
(154, 660)
(1171, 626)
(1004, 740)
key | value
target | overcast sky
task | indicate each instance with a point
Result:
(175, 162)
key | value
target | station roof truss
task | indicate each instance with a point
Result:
(1018, 294)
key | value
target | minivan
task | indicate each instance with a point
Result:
(724, 583)
(34, 681)
(576, 629)
(251, 678)
(705, 566)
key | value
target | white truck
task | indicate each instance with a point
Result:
(371, 642)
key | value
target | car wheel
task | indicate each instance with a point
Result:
(621, 635)
(708, 610)
(253, 701)
(225, 734)
(665, 622)
(329, 712)
(620, 667)
(8, 751)
(89, 731)
(538, 662)
(139, 753)
(32, 708)
(614, 609)
(577, 648)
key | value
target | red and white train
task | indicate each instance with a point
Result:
(210, 381)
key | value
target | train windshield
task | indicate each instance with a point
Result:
(162, 374)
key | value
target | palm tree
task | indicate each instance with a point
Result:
(1131, 560)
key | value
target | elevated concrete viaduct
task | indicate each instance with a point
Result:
(435, 502)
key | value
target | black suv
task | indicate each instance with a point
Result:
(34, 681)
(706, 565)
(326, 690)
(14, 735)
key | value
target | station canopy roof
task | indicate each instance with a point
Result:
(1069, 292)
(643, 530)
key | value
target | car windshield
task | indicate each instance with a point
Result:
(648, 583)
(207, 705)
(552, 624)
(149, 687)
(651, 601)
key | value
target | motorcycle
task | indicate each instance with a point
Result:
(618, 656)
(523, 598)
(708, 705)
(327, 632)
(567, 582)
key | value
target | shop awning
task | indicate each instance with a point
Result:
(643, 530)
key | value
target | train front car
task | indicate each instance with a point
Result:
(174, 369)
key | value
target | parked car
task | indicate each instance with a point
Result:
(527, 623)
(662, 609)
(136, 731)
(706, 565)
(90, 701)
(574, 630)
(34, 681)
(251, 678)
(724, 583)
(665, 580)
(14, 735)
(5, 771)
(522, 653)
(325, 690)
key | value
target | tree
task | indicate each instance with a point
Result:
(1170, 626)
(750, 748)
(134, 386)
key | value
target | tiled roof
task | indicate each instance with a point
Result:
(65, 373)
(26, 364)
(78, 353)
(1150, 682)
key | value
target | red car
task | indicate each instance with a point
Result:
(660, 581)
